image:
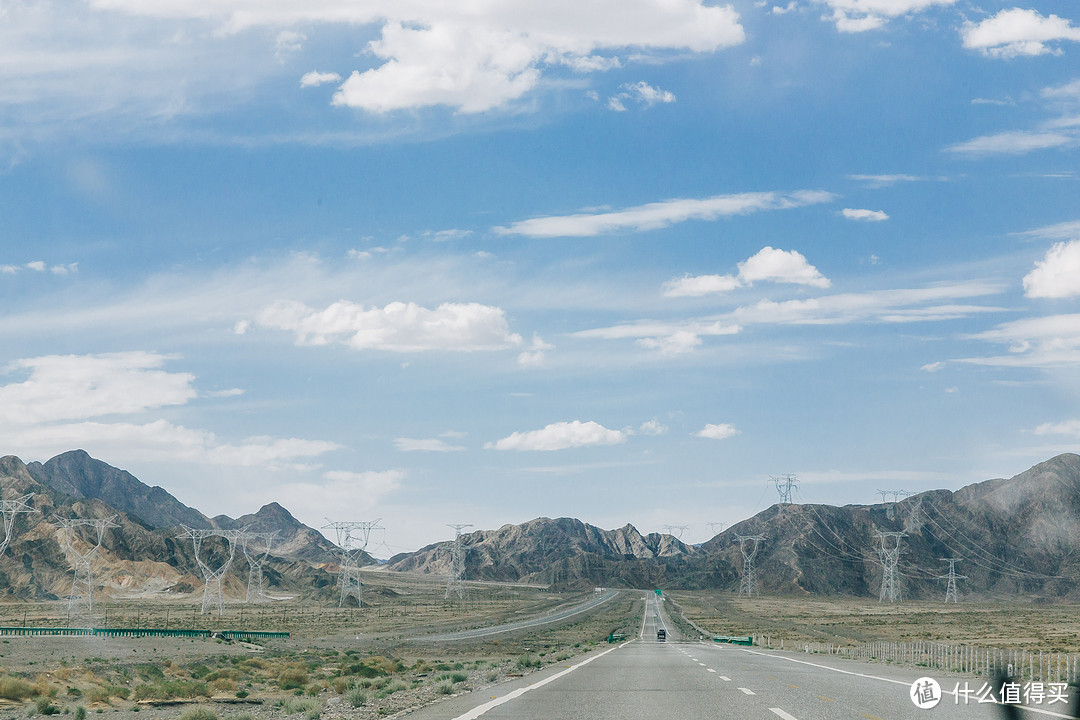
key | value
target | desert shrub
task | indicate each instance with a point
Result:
(150, 673)
(313, 689)
(45, 707)
(292, 678)
(199, 713)
(255, 663)
(340, 685)
(306, 705)
(459, 677)
(99, 695)
(80, 713)
(118, 691)
(223, 685)
(13, 688)
(492, 676)
(74, 692)
(172, 689)
(527, 661)
(391, 688)
(356, 697)
(198, 671)
(444, 688)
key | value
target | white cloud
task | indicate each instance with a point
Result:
(9, 269)
(1018, 31)
(397, 327)
(653, 427)
(783, 10)
(349, 494)
(37, 266)
(780, 266)
(560, 436)
(316, 78)
(1050, 341)
(231, 392)
(864, 215)
(66, 387)
(445, 235)
(1060, 231)
(677, 343)
(662, 214)
(641, 93)
(1012, 143)
(853, 16)
(933, 367)
(1065, 427)
(1057, 275)
(880, 181)
(721, 431)
(534, 356)
(784, 266)
(287, 43)
(425, 445)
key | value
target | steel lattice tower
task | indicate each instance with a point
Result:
(83, 606)
(256, 548)
(890, 507)
(748, 584)
(784, 485)
(952, 577)
(914, 521)
(352, 540)
(455, 583)
(676, 531)
(890, 556)
(213, 593)
(712, 527)
(11, 508)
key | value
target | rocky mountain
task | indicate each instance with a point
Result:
(139, 556)
(295, 540)
(1012, 536)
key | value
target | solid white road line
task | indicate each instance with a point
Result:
(783, 714)
(481, 709)
(748, 691)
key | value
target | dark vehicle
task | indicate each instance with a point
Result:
(661, 635)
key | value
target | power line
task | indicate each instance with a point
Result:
(213, 593)
(748, 584)
(784, 485)
(455, 583)
(952, 577)
(11, 508)
(890, 587)
(256, 548)
(78, 605)
(352, 540)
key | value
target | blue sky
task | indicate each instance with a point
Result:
(616, 261)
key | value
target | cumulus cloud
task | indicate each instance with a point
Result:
(425, 445)
(933, 367)
(641, 93)
(653, 427)
(662, 214)
(66, 387)
(1016, 142)
(1065, 427)
(36, 265)
(852, 16)
(397, 327)
(864, 215)
(721, 431)
(780, 266)
(1057, 275)
(287, 43)
(534, 355)
(560, 436)
(1017, 31)
(316, 78)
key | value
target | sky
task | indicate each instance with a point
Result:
(486, 261)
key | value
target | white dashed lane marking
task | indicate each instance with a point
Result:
(748, 691)
(784, 715)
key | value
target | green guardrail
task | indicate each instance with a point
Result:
(615, 637)
(734, 639)
(143, 632)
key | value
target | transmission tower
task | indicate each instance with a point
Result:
(11, 508)
(890, 556)
(914, 521)
(712, 528)
(676, 531)
(352, 541)
(83, 606)
(456, 581)
(212, 592)
(256, 548)
(748, 584)
(784, 485)
(952, 577)
(890, 507)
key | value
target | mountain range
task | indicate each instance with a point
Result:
(1016, 536)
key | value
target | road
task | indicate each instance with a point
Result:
(686, 679)
(584, 607)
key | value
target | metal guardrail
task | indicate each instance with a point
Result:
(141, 632)
(734, 639)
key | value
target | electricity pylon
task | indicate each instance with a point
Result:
(890, 556)
(212, 592)
(256, 548)
(11, 508)
(952, 577)
(83, 606)
(676, 531)
(352, 541)
(784, 485)
(456, 581)
(890, 509)
(914, 521)
(712, 528)
(748, 584)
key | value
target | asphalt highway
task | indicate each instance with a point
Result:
(687, 679)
